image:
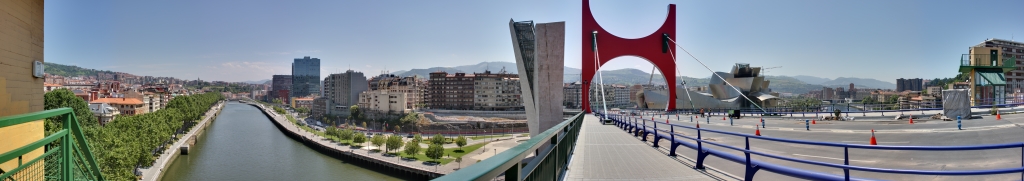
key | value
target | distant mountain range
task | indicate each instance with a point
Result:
(845, 82)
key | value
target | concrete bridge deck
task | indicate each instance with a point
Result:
(605, 152)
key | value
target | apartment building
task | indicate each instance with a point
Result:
(499, 91)
(450, 91)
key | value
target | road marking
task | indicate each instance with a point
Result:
(917, 130)
(842, 131)
(832, 158)
(786, 129)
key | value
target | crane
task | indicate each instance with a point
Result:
(765, 70)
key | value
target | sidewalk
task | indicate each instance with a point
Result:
(605, 152)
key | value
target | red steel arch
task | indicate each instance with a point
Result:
(611, 46)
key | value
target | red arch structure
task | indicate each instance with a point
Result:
(652, 47)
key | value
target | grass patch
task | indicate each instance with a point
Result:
(525, 134)
(454, 152)
(487, 136)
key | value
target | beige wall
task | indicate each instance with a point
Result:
(984, 60)
(21, 42)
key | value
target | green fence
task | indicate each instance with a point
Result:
(551, 150)
(66, 157)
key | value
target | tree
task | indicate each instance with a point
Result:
(417, 137)
(61, 98)
(461, 141)
(359, 139)
(277, 101)
(437, 139)
(377, 140)
(412, 148)
(398, 129)
(459, 160)
(394, 142)
(354, 113)
(435, 151)
(346, 134)
(364, 125)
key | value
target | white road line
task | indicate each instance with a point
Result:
(842, 131)
(832, 158)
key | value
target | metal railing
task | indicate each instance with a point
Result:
(818, 110)
(986, 60)
(641, 127)
(547, 164)
(66, 156)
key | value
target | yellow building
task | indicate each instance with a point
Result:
(21, 44)
(987, 68)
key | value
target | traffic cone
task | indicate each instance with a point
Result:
(723, 118)
(873, 141)
(698, 124)
(814, 121)
(998, 116)
(758, 132)
(666, 121)
(911, 118)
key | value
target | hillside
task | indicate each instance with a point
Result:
(70, 70)
(859, 82)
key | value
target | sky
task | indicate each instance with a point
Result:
(255, 39)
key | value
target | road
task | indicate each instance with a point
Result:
(924, 132)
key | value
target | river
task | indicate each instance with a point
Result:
(242, 144)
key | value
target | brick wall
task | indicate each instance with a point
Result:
(21, 42)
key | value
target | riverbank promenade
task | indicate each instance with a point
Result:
(166, 157)
(605, 152)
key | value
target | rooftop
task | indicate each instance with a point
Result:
(121, 101)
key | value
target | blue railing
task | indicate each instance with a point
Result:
(640, 127)
(780, 111)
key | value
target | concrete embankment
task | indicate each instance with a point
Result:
(181, 146)
(392, 168)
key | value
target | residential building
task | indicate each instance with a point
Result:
(342, 91)
(614, 96)
(302, 102)
(909, 85)
(319, 108)
(413, 86)
(383, 101)
(450, 91)
(572, 94)
(127, 106)
(305, 77)
(103, 112)
(280, 87)
(499, 91)
(934, 91)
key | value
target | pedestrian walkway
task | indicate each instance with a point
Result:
(605, 152)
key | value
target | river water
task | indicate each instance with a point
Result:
(242, 144)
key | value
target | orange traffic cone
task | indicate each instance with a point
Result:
(814, 122)
(758, 132)
(998, 117)
(911, 118)
(666, 121)
(723, 118)
(873, 141)
(698, 124)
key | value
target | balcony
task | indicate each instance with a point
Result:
(969, 62)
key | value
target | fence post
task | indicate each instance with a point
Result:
(807, 123)
(700, 151)
(846, 161)
(672, 146)
(65, 150)
(751, 169)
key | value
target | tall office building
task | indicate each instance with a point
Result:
(305, 77)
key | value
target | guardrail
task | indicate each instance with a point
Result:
(776, 110)
(66, 157)
(640, 127)
(551, 149)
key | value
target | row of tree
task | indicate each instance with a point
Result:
(128, 141)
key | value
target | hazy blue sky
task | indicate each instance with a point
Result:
(254, 39)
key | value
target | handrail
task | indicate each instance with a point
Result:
(633, 126)
(560, 138)
(66, 145)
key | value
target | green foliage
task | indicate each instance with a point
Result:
(346, 134)
(377, 140)
(130, 140)
(437, 139)
(279, 110)
(359, 139)
(461, 141)
(417, 137)
(355, 114)
(409, 118)
(394, 142)
(398, 128)
(435, 151)
(277, 101)
(302, 110)
(412, 148)
(61, 98)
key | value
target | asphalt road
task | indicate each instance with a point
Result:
(924, 132)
